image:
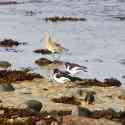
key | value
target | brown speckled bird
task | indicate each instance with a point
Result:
(52, 45)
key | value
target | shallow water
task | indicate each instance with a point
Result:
(100, 37)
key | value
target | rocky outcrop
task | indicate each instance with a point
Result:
(43, 51)
(10, 43)
(4, 64)
(94, 82)
(67, 100)
(8, 76)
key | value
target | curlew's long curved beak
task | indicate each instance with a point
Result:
(83, 69)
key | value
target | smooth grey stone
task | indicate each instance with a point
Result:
(34, 106)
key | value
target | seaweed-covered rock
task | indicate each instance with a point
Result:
(43, 51)
(6, 87)
(50, 65)
(121, 18)
(9, 43)
(8, 76)
(81, 111)
(55, 113)
(4, 64)
(108, 114)
(67, 100)
(95, 82)
(34, 106)
(6, 2)
(43, 61)
(62, 19)
(13, 116)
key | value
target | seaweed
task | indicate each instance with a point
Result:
(10, 43)
(43, 51)
(62, 19)
(8, 76)
(67, 100)
(94, 82)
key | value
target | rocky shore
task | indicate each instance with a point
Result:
(27, 98)
(68, 98)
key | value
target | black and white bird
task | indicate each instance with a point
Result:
(73, 68)
(60, 76)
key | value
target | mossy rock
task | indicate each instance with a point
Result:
(5, 64)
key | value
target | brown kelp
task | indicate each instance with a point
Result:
(10, 43)
(67, 100)
(16, 75)
(63, 18)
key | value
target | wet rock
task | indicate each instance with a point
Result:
(81, 111)
(122, 61)
(55, 114)
(5, 64)
(67, 100)
(95, 82)
(75, 120)
(45, 89)
(43, 61)
(26, 117)
(47, 62)
(8, 76)
(34, 106)
(108, 114)
(6, 87)
(15, 116)
(122, 97)
(62, 19)
(121, 18)
(112, 82)
(10, 43)
(6, 2)
(43, 51)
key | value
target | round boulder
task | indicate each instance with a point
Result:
(4, 64)
(6, 87)
(34, 106)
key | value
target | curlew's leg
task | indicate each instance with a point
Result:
(50, 76)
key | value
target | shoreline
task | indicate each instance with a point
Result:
(44, 91)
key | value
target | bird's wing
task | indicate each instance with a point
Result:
(77, 65)
(55, 43)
